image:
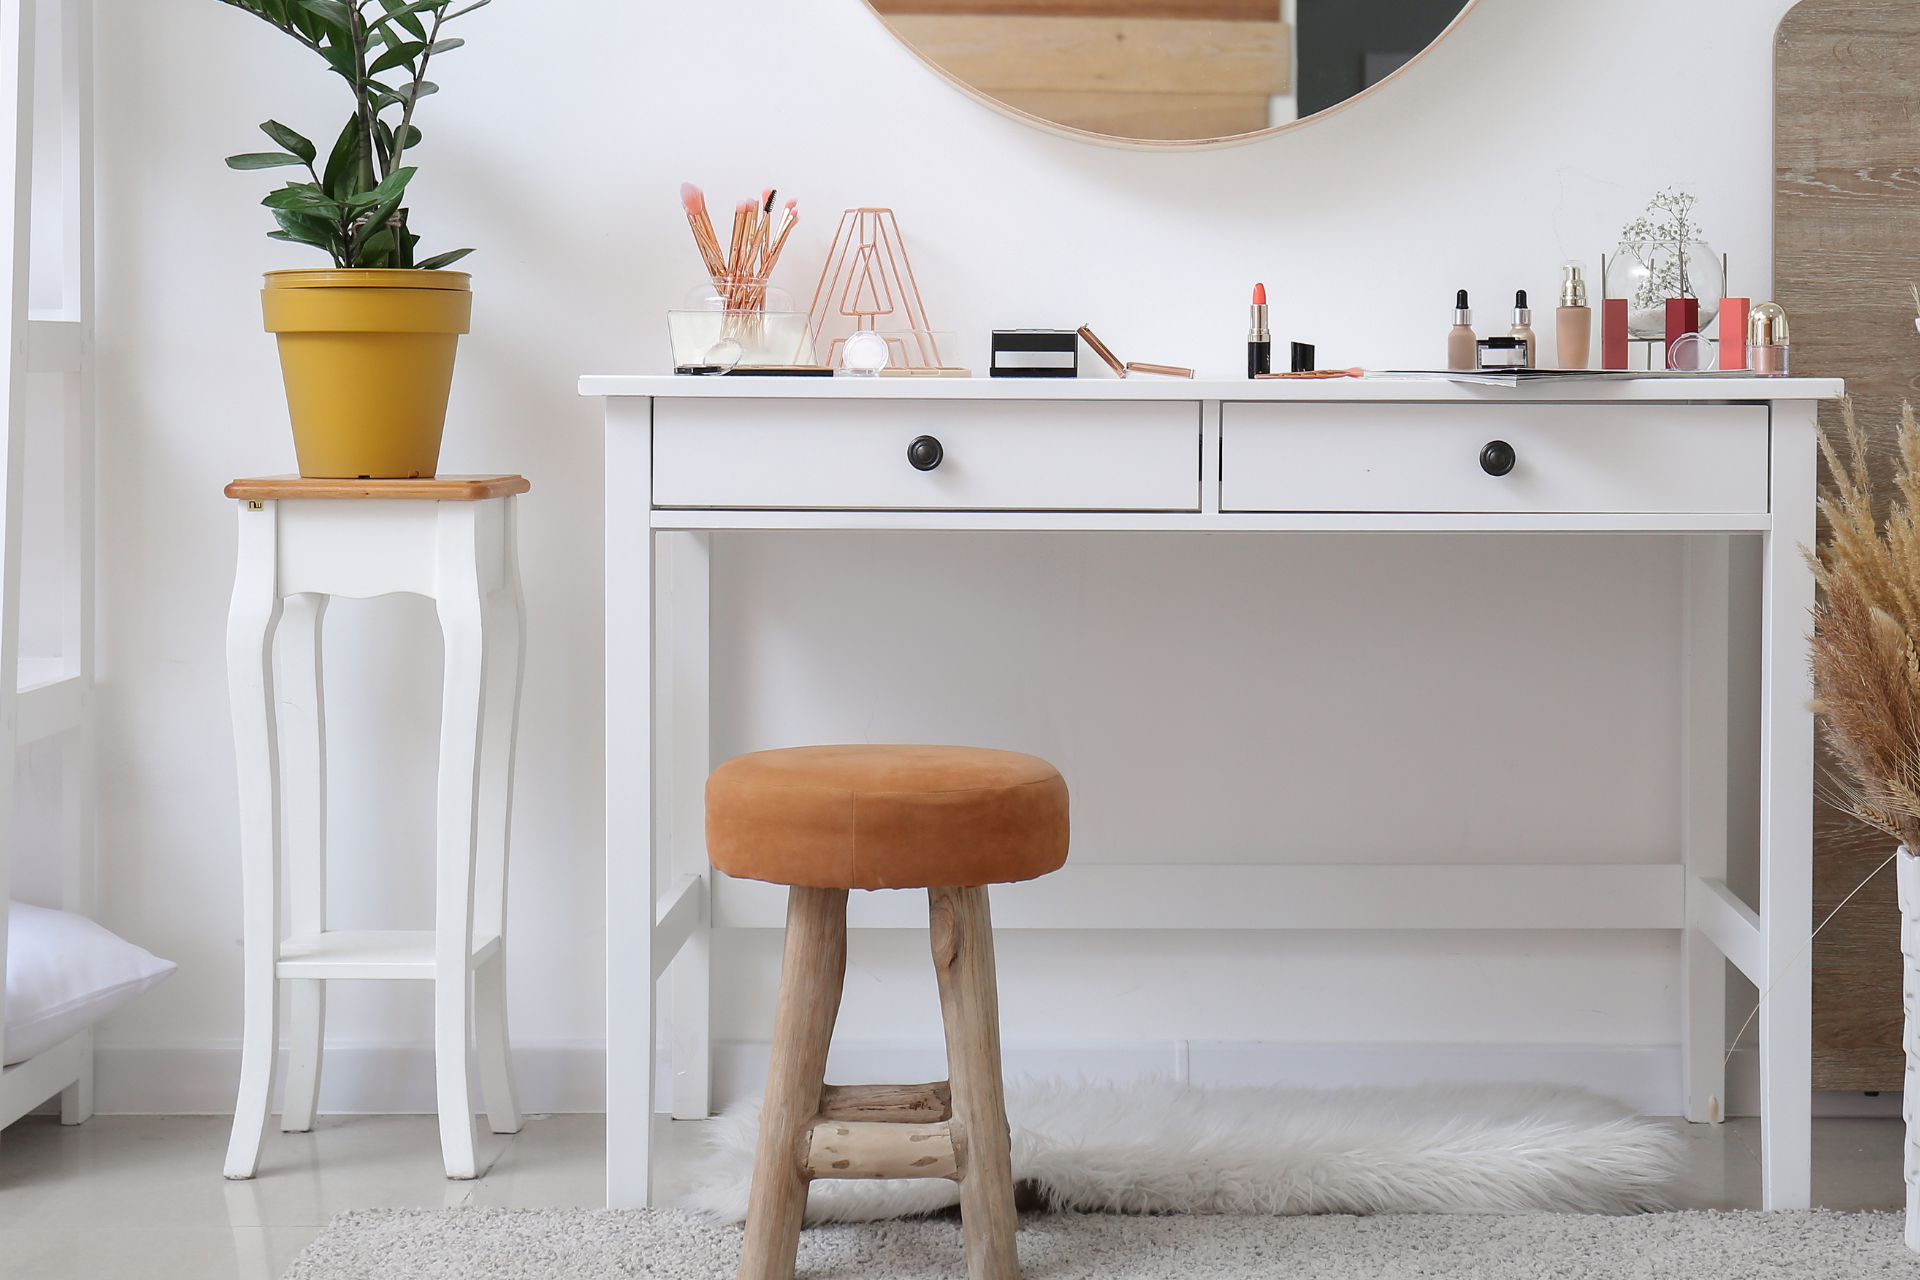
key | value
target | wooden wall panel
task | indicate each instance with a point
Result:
(1846, 245)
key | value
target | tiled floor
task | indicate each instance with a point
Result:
(141, 1197)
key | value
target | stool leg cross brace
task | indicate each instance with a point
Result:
(809, 1129)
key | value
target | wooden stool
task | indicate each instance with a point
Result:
(303, 542)
(825, 820)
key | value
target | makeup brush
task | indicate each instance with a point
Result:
(737, 248)
(764, 217)
(789, 216)
(703, 237)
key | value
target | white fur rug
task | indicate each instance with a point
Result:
(1157, 1146)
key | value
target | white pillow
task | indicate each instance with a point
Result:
(65, 973)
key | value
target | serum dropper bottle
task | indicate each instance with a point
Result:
(1523, 327)
(1461, 339)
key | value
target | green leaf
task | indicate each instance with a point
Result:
(375, 222)
(403, 14)
(444, 260)
(446, 46)
(374, 252)
(304, 197)
(307, 229)
(390, 189)
(339, 56)
(406, 20)
(342, 174)
(262, 160)
(399, 56)
(288, 139)
(409, 137)
(304, 236)
(394, 185)
(332, 11)
(418, 89)
(281, 235)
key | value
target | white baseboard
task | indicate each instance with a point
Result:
(1646, 1077)
(356, 1079)
(374, 1079)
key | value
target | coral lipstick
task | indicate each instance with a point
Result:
(1259, 337)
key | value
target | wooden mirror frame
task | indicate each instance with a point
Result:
(1163, 144)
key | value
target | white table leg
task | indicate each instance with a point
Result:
(683, 758)
(1703, 993)
(505, 621)
(462, 710)
(251, 621)
(1907, 869)
(630, 595)
(303, 807)
(1786, 825)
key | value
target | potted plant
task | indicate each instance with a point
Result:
(1866, 683)
(367, 345)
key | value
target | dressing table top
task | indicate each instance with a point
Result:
(1305, 389)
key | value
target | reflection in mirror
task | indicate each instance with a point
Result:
(1169, 70)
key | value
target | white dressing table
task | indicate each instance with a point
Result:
(1712, 457)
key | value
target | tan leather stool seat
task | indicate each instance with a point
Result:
(886, 817)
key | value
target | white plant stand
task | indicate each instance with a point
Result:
(301, 543)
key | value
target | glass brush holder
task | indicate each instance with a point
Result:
(723, 325)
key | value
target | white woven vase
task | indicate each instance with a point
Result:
(1908, 868)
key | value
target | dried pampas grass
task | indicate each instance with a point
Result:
(1866, 674)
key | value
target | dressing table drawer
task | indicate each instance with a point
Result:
(994, 455)
(1624, 458)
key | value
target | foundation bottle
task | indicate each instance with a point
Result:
(1573, 322)
(1461, 340)
(1523, 327)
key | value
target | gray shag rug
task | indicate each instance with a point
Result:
(670, 1244)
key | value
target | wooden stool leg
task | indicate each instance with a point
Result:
(812, 973)
(962, 933)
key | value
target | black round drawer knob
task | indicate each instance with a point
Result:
(925, 453)
(1497, 458)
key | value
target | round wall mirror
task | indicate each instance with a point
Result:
(1168, 73)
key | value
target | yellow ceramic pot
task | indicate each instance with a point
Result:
(368, 359)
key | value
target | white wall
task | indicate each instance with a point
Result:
(556, 146)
